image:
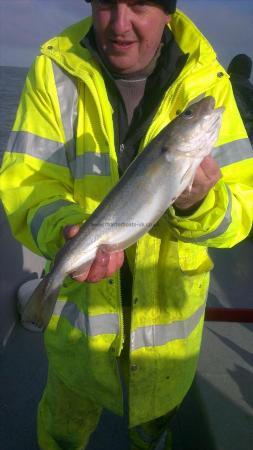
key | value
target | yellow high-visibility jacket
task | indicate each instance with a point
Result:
(60, 163)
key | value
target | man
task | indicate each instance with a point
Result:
(93, 99)
(239, 70)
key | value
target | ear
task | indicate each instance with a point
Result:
(168, 18)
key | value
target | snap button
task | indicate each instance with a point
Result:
(220, 74)
(133, 367)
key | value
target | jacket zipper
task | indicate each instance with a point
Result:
(121, 318)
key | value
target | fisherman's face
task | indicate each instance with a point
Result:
(128, 32)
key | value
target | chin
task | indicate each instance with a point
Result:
(122, 67)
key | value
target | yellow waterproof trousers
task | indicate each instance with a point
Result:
(66, 420)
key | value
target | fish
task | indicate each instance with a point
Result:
(150, 185)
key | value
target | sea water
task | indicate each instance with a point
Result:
(11, 84)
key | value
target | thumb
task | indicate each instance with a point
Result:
(70, 231)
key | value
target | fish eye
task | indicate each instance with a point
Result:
(188, 114)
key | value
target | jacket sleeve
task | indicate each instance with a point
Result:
(36, 186)
(225, 216)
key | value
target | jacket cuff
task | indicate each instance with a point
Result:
(209, 220)
(48, 222)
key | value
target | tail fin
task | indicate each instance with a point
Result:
(40, 305)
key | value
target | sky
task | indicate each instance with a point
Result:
(25, 24)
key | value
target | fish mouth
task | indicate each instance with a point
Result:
(213, 115)
(207, 104)
(214, 124)
(216, 116)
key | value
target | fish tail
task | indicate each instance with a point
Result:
(40, 305)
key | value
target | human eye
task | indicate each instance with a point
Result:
(139, 5)
(139, 2)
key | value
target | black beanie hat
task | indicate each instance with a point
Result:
(169, 6)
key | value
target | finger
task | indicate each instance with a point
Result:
(70, 231)
(210, 168)
(205, 178)
(99, 267)
(115, 263)
(200, 178)
(94, 274)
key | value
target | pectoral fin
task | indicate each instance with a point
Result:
(188, 175)
(82, 270)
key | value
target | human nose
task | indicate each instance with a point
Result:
(121, 18)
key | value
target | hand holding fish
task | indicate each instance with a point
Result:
(206, 176)
(103, 266)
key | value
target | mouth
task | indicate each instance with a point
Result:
(119, 44)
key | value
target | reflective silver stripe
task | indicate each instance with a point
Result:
(90, 325)
(67, 96)
(156, 335)
(91, 164)
(43, 213)
(227, 219)
(41, 148)
(233, 152)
